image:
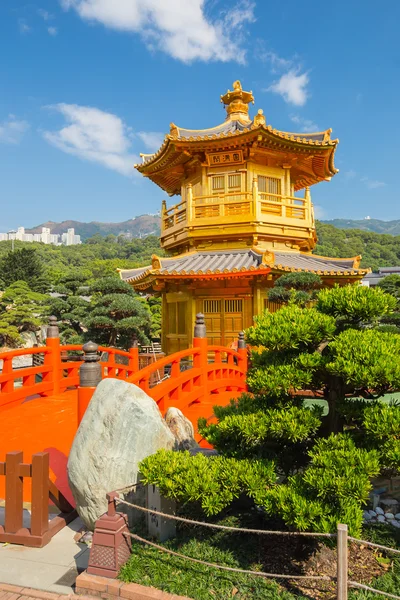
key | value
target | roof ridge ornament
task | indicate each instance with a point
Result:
(237, 102)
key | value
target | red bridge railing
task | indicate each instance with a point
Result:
(188, 380)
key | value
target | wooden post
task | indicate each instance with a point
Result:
(200, 341)
(89, 377)
(53, 358)
(342, 560)
(40, 494)
(7, 386)
(14, 497)
(133, 360)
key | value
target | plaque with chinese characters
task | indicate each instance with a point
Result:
(225, 158)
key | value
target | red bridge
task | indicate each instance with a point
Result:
(41, 406)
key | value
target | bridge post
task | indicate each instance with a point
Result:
(90, 376)
(134, 356)
(242, 351)
(53, 358)
(200, 341)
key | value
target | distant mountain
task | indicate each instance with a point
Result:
(137, 227)
(375, 225)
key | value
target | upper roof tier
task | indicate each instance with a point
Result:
(311, 155)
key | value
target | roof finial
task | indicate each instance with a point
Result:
(237, 102)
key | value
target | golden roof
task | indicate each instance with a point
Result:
(250, 262)
(312, 154)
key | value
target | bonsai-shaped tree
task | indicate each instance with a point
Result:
(391, 285)
(71, 305)
(116, 314)
(324, 463)
(21, 310)
(300, 288)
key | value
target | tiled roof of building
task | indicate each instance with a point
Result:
(234, 261)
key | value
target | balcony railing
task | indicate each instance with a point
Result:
(255, 206)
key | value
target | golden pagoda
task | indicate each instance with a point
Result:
(240, 222)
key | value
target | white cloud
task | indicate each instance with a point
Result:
(277, 63)
(292, 86)
(53, 31)
(23, 26)
(372, 184)
(12, 130)
(306, 125)
(151, 139)
(350, 174)
(46, 16)
(96, 136)
(180, 28)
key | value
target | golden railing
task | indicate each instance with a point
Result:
(256, 206)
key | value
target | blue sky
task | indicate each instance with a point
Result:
(85, 85)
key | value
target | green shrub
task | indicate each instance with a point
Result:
(356, 303)
(213, 482)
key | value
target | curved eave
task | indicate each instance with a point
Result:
(150, 277)
(355, 273)
(177, 150)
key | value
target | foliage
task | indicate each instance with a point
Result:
(214, 481)
(377, 249)
(355, 304)
(391, 285)
(299, 288)
(116, 314)
(24, 265)
(21, 310)
(381, 424)
(71, 306)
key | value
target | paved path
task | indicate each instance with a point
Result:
(14, 592)
(53, 568)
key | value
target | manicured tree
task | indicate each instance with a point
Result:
(24, 265)
(300, 288)
(71, 305)
(116, 314)
(391, 285)
(21, 310)
(325, 462)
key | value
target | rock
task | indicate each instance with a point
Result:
(389, 516)
(366, 516)
(381, 519)
(372, 513)
(397, 516)
(395, 523)
(389, 502)
(181, 428)
(121, 426)
(379, 511)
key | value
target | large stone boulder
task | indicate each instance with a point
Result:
(122, 425)
(181, 428)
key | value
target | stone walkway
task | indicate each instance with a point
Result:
(13, 592)
(53, 568)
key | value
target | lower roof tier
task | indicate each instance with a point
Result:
(226, 263)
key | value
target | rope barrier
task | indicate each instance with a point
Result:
(225, 527)
(364, 542)
(222, 567)
(361, 586)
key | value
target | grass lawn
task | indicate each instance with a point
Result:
(148, 566)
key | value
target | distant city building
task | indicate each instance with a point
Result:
(45, 237)
(70, 239)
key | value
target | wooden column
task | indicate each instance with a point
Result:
(89, 377)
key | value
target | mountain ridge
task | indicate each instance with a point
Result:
(149, 224)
